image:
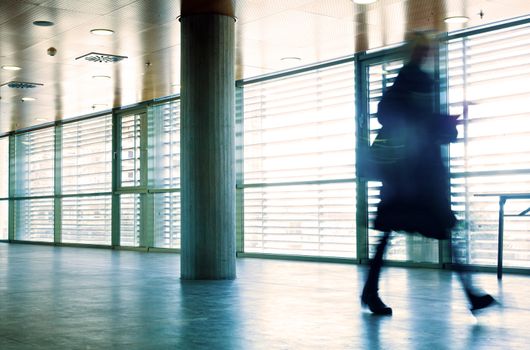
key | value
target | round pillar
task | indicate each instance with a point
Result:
(208, 249)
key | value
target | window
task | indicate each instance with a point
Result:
(35, 161)
(299, 164)
(488, 83)
(164, 172)
(87, 170)
(130, 211)
(4, 167)
(131, 150)
(34, 176)
(167, 220)
(4, 222)
(164, 145)
(4, 187)
(87, 220)
(87, 156)
(34, 220)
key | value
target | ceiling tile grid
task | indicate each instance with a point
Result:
(148, 32)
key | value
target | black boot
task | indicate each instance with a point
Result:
(370, 297)
(479, 302)
(375, 304)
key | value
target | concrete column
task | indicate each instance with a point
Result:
(207, 147)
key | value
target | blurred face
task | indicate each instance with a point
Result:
(420, 54)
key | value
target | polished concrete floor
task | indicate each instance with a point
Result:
(82, 298)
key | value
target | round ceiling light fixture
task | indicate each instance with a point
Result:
(364, 2)
(456, 19)
(103, 32)
(101, 77)
(26, 99)
(43, 23)
(290, 59)
(11, 68)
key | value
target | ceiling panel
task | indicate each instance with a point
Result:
(152, 11)
(63, 19)
(95, 7)
(13, 8)
(148, 32)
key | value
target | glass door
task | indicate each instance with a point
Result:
(376, 75)
(132, 178)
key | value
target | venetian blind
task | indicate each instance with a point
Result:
(488, 83)
(299, 164)
(164, 172)
(87, 156)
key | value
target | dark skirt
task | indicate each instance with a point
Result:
(415, 198)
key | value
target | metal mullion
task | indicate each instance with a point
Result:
(57, 216)
(488, 28)
(116, 179)
(162, 190)
(146, 238)
(309, 68)
(11, 189)
(294, 183)
(240, 175)
(442, 71)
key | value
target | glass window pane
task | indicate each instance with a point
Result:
(87, 220)
(300, 127)
(295, 129)
(301, 220)
(34, 220)
(488, 78)
(34, 156)
(87, 156)
(130, 220)
(4, 167)
(164, 145)
(167, 220)
(4, 214)
(130, 150)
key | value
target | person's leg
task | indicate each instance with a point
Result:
(370, 296)
(477, 299)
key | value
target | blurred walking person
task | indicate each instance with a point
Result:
(415, 195)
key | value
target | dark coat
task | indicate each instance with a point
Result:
(415, 195)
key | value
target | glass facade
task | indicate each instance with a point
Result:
(114, 179)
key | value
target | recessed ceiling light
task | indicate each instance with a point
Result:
(102, 31)
(364, 2)
(28, 99)
(101, 77)
(11, 67)
(43, 23)
(456, 19)
(290, 59)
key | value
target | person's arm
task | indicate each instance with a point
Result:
(444, 128)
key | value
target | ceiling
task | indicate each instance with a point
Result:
(148, 33)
